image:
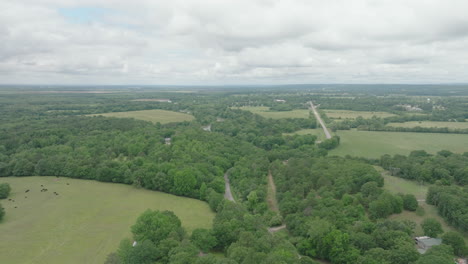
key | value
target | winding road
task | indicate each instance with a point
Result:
(325, 130)
(228, 193)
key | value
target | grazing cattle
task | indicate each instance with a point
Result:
(68, 183)
(16, 206)
(27, 191)
(25, 197)
(42, 185)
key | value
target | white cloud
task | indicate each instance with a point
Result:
(233, 41)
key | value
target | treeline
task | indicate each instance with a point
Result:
(380, 124)
(451, 203)
(443, 168)
(334, 209)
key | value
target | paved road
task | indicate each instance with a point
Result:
(325, 130)
(228, 193)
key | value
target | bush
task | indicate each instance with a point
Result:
(4, 190)
(431, 227)
(409, 202)
(2, 212)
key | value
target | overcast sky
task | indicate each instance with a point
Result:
(233, 41)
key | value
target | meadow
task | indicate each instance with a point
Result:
(161, 116)
(348, 114)
(265, 112)
(453, 125)
(373, 144)
(83, 223)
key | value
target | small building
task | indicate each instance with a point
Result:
(424, 243)
(280, 101)
(167, 141)
(207, 128)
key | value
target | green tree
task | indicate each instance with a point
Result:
(155, 226)
(184, 182)
(203, 239)
(456, 241)
(431, 227)
(4, 190)
(441, 254)
(409, 202)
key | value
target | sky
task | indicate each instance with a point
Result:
(230, 42)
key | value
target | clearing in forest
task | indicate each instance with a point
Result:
(161, 116)
(399, 185)
(267, 113)
(84, 221)
(348, 114)
(373, 144)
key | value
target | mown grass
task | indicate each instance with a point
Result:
(373, 144)
(161, 116)
(400, 185)
(85, 222)
(453, 125)
(265, 112)
(344, 114)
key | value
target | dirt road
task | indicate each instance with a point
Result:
(228, 193)
(272, 202)
(325, 130)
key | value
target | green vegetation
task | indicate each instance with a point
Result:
(84, 222)
(267, 113)
(431, 227)
(335, 209)
(4, 190)
(371, 144)
(454, 125)
(155, 116)
(398, 185)
(345, 114)
(318, 132)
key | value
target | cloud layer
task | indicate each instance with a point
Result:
(233, 41)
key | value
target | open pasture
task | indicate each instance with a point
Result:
(450, 125)
(348, 114)
(265, 112)
(373, 144)
(83, 223)
(161, 116)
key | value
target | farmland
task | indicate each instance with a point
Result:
(265, 112)
(161, 116)
(372, 144)
(84, 222)
(348, 114)
(450, 125)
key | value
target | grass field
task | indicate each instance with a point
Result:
(373, 144)
(453, 125)
(344, 114)
(85, 222)
(265, 112)
(161, 116)
(316, 131)
(398, 185)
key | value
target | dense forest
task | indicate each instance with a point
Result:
(334, 209)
